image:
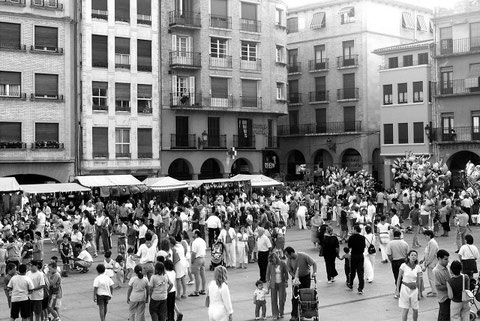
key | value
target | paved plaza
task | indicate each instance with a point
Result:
(336, 303)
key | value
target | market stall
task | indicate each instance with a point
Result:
(211, 187)
(10, 195)
(9, 184)
(164, 189)
(55, 194)
(259, 181)
(116, 186)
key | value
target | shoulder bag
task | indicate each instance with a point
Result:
(467, 295)
(371, 248)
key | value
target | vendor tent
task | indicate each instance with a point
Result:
(259, 180)
(54, 188)
(108, 180)
(214, 181)
(165, 184)
(9, 184)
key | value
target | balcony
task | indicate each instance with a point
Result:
(294, 68)
(347, 61)
(463, 134)
(456, 87)
(122, 61)
(250, 25)
(122, 106)
(100, 155)
(451, 47)
(143, 19)
(319, 96)
(99, 14)
(251, 102)
(123, 155)
(99, 108)
(294, 98)
(240, 141)
(47, 4)
(20, 3)
(272, 142)
(329, 128)
(47, 144)
(40, 96)
(13, 145)
(145, 155)
(145, 68)
(252, 64)
(220, 101)
(188, 141)
(318, 65)
(215, 142)
(223, 22)
(13, 95)
(99, 64)
(11, 46)
(42, 49)
(184, 59)
(402, 64)
(220, 61)
(347, 94)
(185, 100)
(186, 19)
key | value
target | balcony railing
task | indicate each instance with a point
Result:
(224, 22)
(215, 142)
(221, 61)
(143, 19)
(250, 65)
(100, 107)
(250, 25)
(47, 144)
(184, 18)
(185, 59)
(320, 128)
(123, 155)
(40, 96)
(13, 145)
(347, 93)
(318, 65)
(251, 102)
(272, 142)
(318, 96)
(188, 141)
(13, 95)
(347, 61)
(145, 155)
(220, 101)
(179, 100)
(447, 47)
(13, 2)
(43, 49)
(47, 4)
(456, 87)
(99, 64)
(293, 68)
(402, 64)
(12, 46)
(100, 155)
(147, 68)
(122, 105)
(99, 14)
(240, 141)
(456, 134)
(294, 98)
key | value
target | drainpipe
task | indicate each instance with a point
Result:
(76, 118)
(160, 78)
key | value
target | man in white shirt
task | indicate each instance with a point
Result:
(198, 250)
(142, 231)
(213, 224)
(84, 260)
(20, 285)
(229, 238)
(147, 255)
(36, 296)
(301, 216)
(41, 221)
(102, 291)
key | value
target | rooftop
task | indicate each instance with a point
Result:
(403, 47)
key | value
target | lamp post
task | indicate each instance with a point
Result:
(428, 132)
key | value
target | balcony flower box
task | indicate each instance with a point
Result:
(11, 145)
(46, 144)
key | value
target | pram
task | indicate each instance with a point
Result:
(308, 302)
(216, 255)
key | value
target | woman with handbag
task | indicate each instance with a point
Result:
(408, 283)
(218, 298)
(458, 288)
(469, 255)
(370, 253)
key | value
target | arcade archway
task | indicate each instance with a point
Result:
(180, 169)
(352, 160)
(24, 179)
(456, 164)
(241, 166)
(211, 168)
(322, 160)
(296, 165)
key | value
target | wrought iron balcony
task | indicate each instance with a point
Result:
(179, 18)
(347, 61)
(240, 141)
(101, 155)
(318, 65)
(188, 141)
(41, 96)
(294, 68)
(220, 101)
(250, 25)
(251, 102)
(215, 142)
(224, 22)
(185, 59)
(42, 49)
(146, 68)
(122, 105)
(319, 96)
(144, 106)
(320, 128)
(12, 46)
(20, 3)
(272, 142)
(47, 4)
(145, 155)
(347, 94)
(123, 155)
(295, 98)
(99, 14)
(455, 134)
(185, 100)
(401, 64)
(255, 64)
(47, 144)
(220, 61)
(122, 61)
(13, 145)
(447, 47)
(100, 107)
(456, 87)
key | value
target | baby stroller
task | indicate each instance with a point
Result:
(217, 255)
(308, 302)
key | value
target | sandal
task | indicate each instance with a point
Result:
(194, 294)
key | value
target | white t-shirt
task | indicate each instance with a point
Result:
(20, 285)
(85, 256)
(41, 218)
(468, 252)
(199, 247)
(172, 277)
(37, 280)
(142, 230)
(146, 254)
(213, 222)
(103, 284)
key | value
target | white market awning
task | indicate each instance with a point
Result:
(9, 184)
(108, 180)
(259, 180)
(53, 188)
(165, 184)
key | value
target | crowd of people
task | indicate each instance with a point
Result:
(162, 248)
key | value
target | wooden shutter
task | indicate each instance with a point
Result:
(46, 131)
(249, 11)
(100, 140)
(46, 85)
(122, 45)
(388, 133)
(213, 126)
(249, 88)
(122, 10)
(219, 8)
(144, 139)
(99, 5)
(418, 133)
(349, 118)
(144, 91)
(10, 132)
(10, 35)
(99, 85)
(219, 87)
(191, 83)
(99, 50)
(144, 52)
(10, 78)
(122, 91)
(181, 123)
(403, 133)
(174, 84)
(144, 7)
(46, 37)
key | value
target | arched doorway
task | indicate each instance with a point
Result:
(296, 166)
(24, 179)
(271, 163)
(210, 169)
(180, 169)
(456, 164)
(352, 160)
(322, 160)
(241, 166)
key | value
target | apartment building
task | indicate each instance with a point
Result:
(405, 102)
(224, 82)
(333, 81)
(120, 100)
(455, 133)
(37, 95)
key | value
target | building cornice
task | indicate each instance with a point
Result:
(66, 19)
(405, 47)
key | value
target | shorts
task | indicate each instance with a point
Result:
(103, 299)
(54, 302)
(22, 307)
(65, 260)
(198, 265)
(36, 306)
(408, 298)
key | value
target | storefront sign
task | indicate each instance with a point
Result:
(353, 163)
(271, 163)
(260, 129)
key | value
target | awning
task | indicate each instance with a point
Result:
(318, 20)
(407, 21)
(53, 188)
(349, 10)
(9, 184)
(108, 180)
(259, 180)
(164, 184)
(198, 183)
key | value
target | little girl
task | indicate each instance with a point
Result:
(3, 259)
(259, 299)
(346, 257)
(281, 230)
(130, 263)
(118, 269)
(109, 263)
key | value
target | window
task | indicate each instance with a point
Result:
(293, 121)
(417, 91)
(393, 62)
(144, 55)
(321, 88)
(321, 120)
(421, 23)
(122, 142)
(280, 91)
(46, 132)
(446, 80)
(122, 10)
(348, 58)
(218, 47)
(122, 97)
(446, 40)
(122, 53)
(402, 93)
(99, 95)
(292, 57)
(183, 90)
(219, 87)
(319, 54)
(10, 84)
(387, 94)
(448, 131)
(99, 9)
(407, 60)
(347, 15)
(279, 17)
(99, 51)
(100, 142)
(10, 35)
(219, 14)
(249, 93)
(403, 133)
(46, 38)
(349, 118)
(249, 51)
(144, 141)
(213, 132)
(292, 25)
(407, 21)
(349, 90)
(318, 20)
(293, 94)
(423, 58)
(245, 133)
(475, 36)
(475, 126)
(144, 99)
(418, 133)
(10, 132)
(280, 54)
(46, 86)
(144, 12)
(473, 78)
(387, 134)
(248, 21)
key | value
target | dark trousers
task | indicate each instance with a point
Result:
(102, 233)
(262, 264)
(212, 235)
(158, 310)
(444, 310)
(396, 268)
(356, 267)
(260, 305)
(201, 228)
(330, 267)
(304, 284)
(171, 306)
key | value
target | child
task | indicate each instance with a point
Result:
(102, 291)
(55, 290)
(346, 257)
(259, 300)
(108, 262)
(280, 243)
(3, 259)
(130, 263)
(119, 271)
(343, 225)
(122, 230)
(11, 271)
(66, 253)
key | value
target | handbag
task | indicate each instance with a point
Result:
(467, 295)
(371, 248)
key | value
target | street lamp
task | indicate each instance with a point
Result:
(428, 132)
(204, 138)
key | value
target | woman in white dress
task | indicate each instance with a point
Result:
(180, 264)
(242, 248)
(384, 234)
(218, 299)
(369, 262)
(408, 283)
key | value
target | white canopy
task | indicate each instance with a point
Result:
(259, 180)
(108, 180)
(53, 188)
(198, 183)
(166, 183)
(9, 184)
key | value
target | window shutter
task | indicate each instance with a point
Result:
(46, 37)
(100, 140)
(99, 5)
(100, 85)
(418, 133)
(249, 11)
(219, 8)
(46, 131)
(10, 132)
(349, 114)
(122, 45)
(144, 141)
(46, 85)
(122, 91)
(144, 7)
(403, 133)
(10, 78)
(191, 82)
(10, 35)
(174, 84)
(318, 20)
(174, 42)
(122, 10)
(388, 133)
(144, 52)
(219, 87)
(249, 88)
(144, 91)
(99, 50)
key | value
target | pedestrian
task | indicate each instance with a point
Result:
(171, 296)
(259, 300)
(277, 282)
(213, 224)
(159, 286)
(242, 248)
(346, 256)
(36, 296)
(461, 220)
(66, 253)
(357, 244)
(20, 285)
(444, 218)
(102, 291)
(469, 255)
(430, 260)
(55, 291)
(228, 237)
(218, 298)
(199, 250)
(397, 250)
(459, 309)
(442, 276)
(263, 246)
(83, 261)
(147, 254)
(408, 284)
(370, 253)
(137, 295)
(331, 250)
(415, 217)
(11, 270)
(180, 263)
